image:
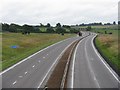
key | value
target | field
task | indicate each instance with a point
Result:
(100, 27)
(108, 44)
(26, 45)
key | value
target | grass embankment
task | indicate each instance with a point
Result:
(108, 44)
(0, 51)
(28, 44)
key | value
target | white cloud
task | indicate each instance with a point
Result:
(53, 11)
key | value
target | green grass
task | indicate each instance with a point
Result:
(115, 32)
(108, 44)
(100, 27)
(28, 44)
(43, 29)
(0, 51)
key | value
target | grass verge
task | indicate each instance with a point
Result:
(27, 45)
(108, 45)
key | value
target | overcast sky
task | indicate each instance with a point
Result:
(54, 11)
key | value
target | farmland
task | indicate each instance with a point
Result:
(27, 45)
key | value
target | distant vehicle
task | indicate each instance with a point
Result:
(79, 33)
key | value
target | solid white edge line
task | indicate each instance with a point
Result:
(73, 65)
(53, 65)
(32, 56)
(103, 61)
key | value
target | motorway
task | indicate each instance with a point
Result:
(33, 71)
(90, 69)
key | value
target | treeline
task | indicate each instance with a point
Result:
(27, 29)
(18, 28)
(96, 24)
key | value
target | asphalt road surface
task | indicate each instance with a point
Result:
(90, 69)
(32, 72)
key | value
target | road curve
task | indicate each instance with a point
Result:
(32, 71)
(90, 70)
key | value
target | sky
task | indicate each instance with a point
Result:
(66, 12)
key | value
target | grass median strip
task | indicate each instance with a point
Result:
(25, 45)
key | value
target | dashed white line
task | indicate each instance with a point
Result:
(91, 70)
(43, 57)
(20, 76)
(26, 72)
(39, 61)
(33, 66)
(47, 54)
(14, 82)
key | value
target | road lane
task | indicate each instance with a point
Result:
(89, 71)
(31, 72)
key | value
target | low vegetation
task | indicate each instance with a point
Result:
(0, 51)
(25, 45)
(107, 42)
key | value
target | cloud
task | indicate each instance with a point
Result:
(54, 11)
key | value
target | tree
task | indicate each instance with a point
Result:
(48, 25)
(119, 22)
(49, 28)
(66, 26)
(60, 29)
(89, 28)
(41, 25)
(12, 28)
(73, 30)
(107, 24)
(58, 25)
(5, 27)
(27, 29)
(114, 23)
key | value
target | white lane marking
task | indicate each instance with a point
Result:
(26, 72)
(32, 56)
(20, 76)
(91, 70)
(33, 66)
(14, 82)
(103, 61)
(43, 57)
(53, 65)
(73, 65)
(39, 61)
(47, 54)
